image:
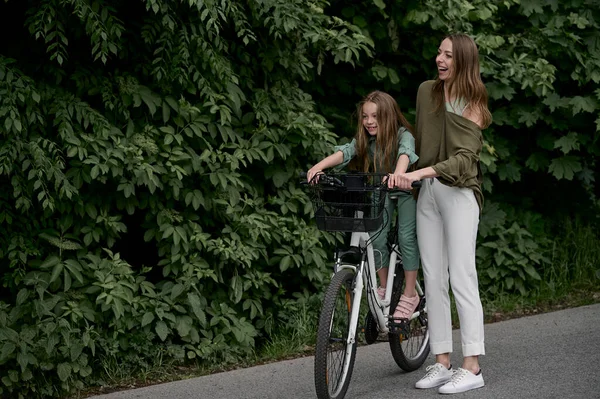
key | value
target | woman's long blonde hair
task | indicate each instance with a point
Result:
(389, 120)
(465, 81)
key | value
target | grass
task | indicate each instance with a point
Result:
(292, 342)
(571, 279)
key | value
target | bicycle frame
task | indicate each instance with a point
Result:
(358, 207)
(379, 308)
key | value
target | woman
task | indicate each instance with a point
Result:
(451, 111)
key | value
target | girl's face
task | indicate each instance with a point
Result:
(444, 60)
(369, 118)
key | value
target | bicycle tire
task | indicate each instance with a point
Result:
(331, 377)
(371, 329)
(410, 348)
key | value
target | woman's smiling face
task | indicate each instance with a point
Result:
(444, 60)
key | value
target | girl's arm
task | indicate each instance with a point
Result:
(401, 166)
(333, 160)
(407, 157)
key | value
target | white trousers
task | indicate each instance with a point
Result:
(447, 221)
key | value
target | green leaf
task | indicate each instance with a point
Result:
(50, 262)
(565, 167)
(285, 263)
(197, 308)
(184, 325)
(529, 118)
(75, 349)
(537, 161)
(64, 371)
(532, 272)
(530, 7)
(498, 91)
(22, 296)
(162, 330)
(394, 78)
(280, 178)
(147, 319)
(583, 104)
(554, 101)
(166, 112)
(586, 175)
(58, 268)
(237, 289)
(176, 291)
(509, 171)
(380, 4)
(7, 349)
(567, 143)
(509, 282)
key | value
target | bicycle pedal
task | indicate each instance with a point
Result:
(399, 325)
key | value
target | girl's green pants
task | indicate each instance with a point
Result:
(406, 207)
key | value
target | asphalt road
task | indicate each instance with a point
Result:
(553, 355)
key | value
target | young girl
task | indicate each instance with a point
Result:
(451, 112)
(384, 144)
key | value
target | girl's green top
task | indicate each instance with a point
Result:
(406, 145)
(449, 143)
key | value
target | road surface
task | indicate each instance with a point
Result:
(552, 355)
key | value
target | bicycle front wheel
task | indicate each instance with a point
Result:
(334, 354)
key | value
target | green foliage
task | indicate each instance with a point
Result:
(149, 170)
(509, 258)
(150, 152)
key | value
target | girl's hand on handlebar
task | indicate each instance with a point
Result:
(313, 173)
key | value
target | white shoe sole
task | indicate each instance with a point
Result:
(462, 389)
(439, 384)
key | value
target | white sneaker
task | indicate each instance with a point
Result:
(436, 375)
(462, 381)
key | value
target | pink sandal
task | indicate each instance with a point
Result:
(406, 307)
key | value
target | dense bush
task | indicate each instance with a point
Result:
(149, 159)
(150, 150)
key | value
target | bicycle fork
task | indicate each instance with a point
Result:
(353, 304)
(357, 291)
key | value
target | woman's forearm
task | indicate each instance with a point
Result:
(424, 173)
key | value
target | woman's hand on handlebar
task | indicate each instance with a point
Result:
(402, 181)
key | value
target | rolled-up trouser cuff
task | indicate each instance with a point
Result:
(437, 348)
(473, 349)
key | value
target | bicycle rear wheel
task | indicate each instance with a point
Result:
(334, 355)
(410, 347)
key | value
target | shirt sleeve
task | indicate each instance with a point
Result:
(463, 145)
(349, 151)
(406, 145)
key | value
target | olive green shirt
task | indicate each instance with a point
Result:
(449, 143)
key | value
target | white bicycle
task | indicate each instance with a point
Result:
(355, 203)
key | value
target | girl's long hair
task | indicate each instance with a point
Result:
(389, 120)
(465, 81)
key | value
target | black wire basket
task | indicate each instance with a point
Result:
(355, 205)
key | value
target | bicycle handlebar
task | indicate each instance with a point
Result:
(332, 181)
